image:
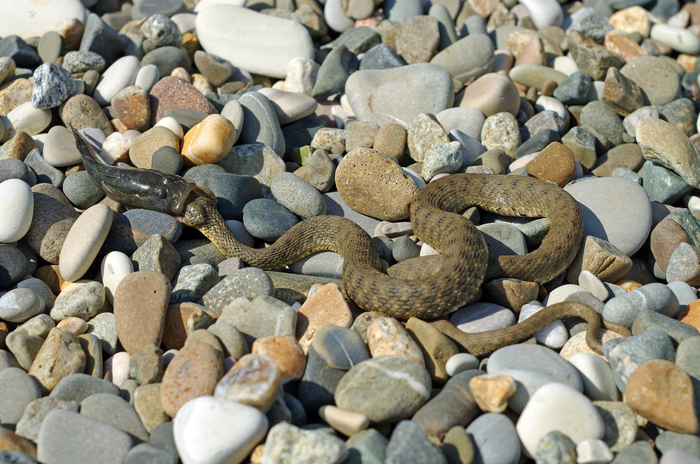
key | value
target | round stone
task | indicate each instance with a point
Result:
(491, 93)
(267, 220)
(297, 195)
(625, 222)
(209, 141)
(19, 305)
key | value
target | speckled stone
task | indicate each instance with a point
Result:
(80, 299)
(357, 185)
(175, 93)
(59, 357)
(408, 444)
(158, 255)
(131, 306)
(131, 229)
(81, 112)
(255, 160)
(193, 372)
(53, 85)
(501, 131)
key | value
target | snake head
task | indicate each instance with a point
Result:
(197, 212)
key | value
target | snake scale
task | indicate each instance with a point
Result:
(464, 262)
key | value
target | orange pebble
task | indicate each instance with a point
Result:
(628, 284)
(692, 314)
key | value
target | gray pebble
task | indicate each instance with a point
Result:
(231, 339)
(67, 437)
(45, 173)
(626, 354)
(604, 119)
(575, 89)
(684, 264)
(404, 248)
(53, 85)
(83, 61)
(260, 123)
(651, 297)
(24, 347)
(162, 31)
(114, 410)
(556, 448)
(663, 185)
(166, 59)
(35, 413)
(670, 440)
(77, 387)
(20, 304)
(684, 292)
(688, 356)
(248, 282)
(13, 169)
(532, 366)
(267, 220)
(193, 282)
(15, 457)
(103, 327)
(381, 56)
(81, 190)
(166, 159)
(13, 265)
(677, 330)
(495, 438)
(297, 195)
(131, 230)
(409, 445)
(321, 264)
(17, 390)
(259, 318)
(145, 453)
(503, 239)
(233, 192)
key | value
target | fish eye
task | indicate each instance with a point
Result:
(161, 193)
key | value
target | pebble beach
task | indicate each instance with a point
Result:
(129, 338)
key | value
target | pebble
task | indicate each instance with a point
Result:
(655, 76)
(255, 160)
(214, 31)
(20, 305)
(59, 356)
(402, 386)
(285, 442)
(652, 297)
(83, 241)
(366, 89)
(16, 209)
(208, 428)
(495, 438)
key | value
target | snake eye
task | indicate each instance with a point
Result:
(161, 193)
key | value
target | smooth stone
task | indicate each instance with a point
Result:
(134, 329)
(16, 209)
(285, 442)
(146, 77)
(370, 93)
(210, 429)
(491, 93)
(553, 335)
(267, 219)
(62, 434)
(131, 230)
(656, 297)
(20, 304)
(482, 317)
(469, 58)
(261, 123)
(35, 412)
(83, 241)
(249, 283)
(604, 119)
(34, 20)
(167, 59)
(554, 407)
(100, 38)
(289, 106)
(233, 192)
(255, 160)
(209, 141)
(26, 118)
(495, 438)
(113, 410)
(597, 377)
(230, 32)
(655, 76)
(407, 380)
(147, 8)
(409, 445)
(603, 220)
(501, 131)
(20, 51)
(81, 190)
(77, 387)
(532, 75)
(678, 331)
(297, 195)
(44, 171)
(59, 148)
(679, 39)
(524, 363)
(80, 62)
(17, 391)
(192, 373)
(470, 119)
(82, 113)
(115, 78)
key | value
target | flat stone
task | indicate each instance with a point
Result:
(59, 357)
(655, 76)
(82, 245)
(261, 123)
(135, 331)
(369, 93)
(171, 93)
(214, 31)
(469, 58)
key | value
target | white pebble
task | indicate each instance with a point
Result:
(172, 124)
(115, 266)
(560, 294)
(114, 147)
(461, 362)
(116, 368)
(554, 335)
(16, 210)
(593, 451)
(597, 377)
(590, 282)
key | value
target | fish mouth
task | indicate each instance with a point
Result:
(179, 207)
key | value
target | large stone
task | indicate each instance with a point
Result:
(242, 36)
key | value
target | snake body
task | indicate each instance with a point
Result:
(465, 261)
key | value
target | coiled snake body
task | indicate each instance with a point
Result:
(460, 270)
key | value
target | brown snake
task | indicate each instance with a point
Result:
(442, 283)
(463, 264)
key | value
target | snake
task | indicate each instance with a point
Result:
(449, 280)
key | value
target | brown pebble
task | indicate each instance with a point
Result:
(600, 257)
(193, 372)
(510, 293)
(59, 357)
(555, 163)
(286, 352)
(20, 146)
(50, 276)
(491, 392)
(174, 93)
(75, 325)
(81, 112)
(254, 380)
(664, 239)
(132, 108)
(662, 392)
(325, 306)
(390, 140)
(145, 145)
(148, 406)
(209, 141)
(374, 185)
(14, 94)
(620, 43)
(10, 441)
(548, 88)
(622, 94)
(532, 53)
(436, 347)
(140, 304)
